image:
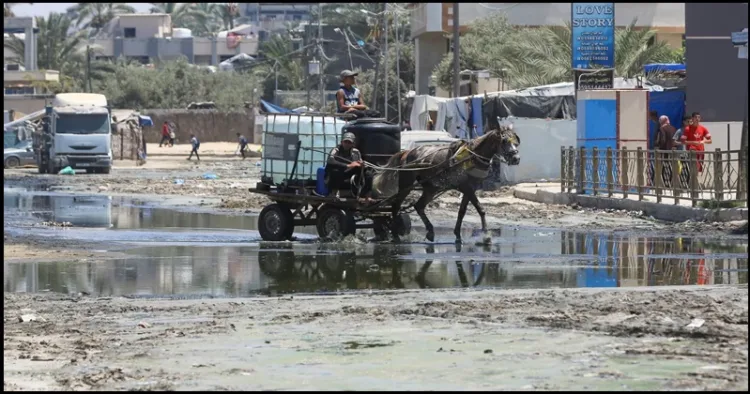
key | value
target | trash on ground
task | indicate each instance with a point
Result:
(696, 323)
(179, 181)
(67, 171)
(209, 175)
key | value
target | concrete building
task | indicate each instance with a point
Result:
(144, 37)
(431, 22)
(717, 79)
(272, 17)
(27, 27)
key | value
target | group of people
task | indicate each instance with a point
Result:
(691, 136)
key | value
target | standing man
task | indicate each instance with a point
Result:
(349, 98)
(242, 146)
(196, 144)
(695, 137)
(665, 142)
(164, 134)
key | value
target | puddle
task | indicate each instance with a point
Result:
(195, 254)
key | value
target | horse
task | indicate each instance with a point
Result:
(461, 166)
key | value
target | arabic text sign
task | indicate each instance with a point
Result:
(593, 35)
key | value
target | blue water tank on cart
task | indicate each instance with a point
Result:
(320, 182)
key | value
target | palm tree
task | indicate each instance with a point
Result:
(202, 19)
(59, 50)
(178, 11)
(227, 12)
(96, 15)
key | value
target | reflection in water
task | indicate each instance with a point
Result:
(564, 260)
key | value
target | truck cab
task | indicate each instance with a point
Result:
(77, 133)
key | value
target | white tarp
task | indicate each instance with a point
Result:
(420, 110)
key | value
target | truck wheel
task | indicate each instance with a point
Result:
(12, 162)
(335, 220)
(106, 170)
(275, 223)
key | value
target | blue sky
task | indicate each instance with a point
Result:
(44, 9)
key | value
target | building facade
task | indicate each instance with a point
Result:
(145, 37)
(717, 79)
(431, 22)
(272, 17)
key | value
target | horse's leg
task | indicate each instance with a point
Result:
(460, 218)
(395, 210)
(428, 193)
(468, 191)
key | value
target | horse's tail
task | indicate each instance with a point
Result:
(385, 182)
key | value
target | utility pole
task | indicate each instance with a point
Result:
(307, 58)
(377, 73)
(396, 26)
(88, 67)
(385, 60)
(456, 65)
(320, 52)
(276, 83)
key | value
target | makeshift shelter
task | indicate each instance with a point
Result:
(128, 143)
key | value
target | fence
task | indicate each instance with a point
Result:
(716, 179)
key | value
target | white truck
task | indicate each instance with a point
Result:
(76, 132)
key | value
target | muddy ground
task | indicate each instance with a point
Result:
(625, 339)
(634, 339)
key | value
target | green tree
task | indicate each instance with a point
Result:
(175, 84)
(202, 19)
(96, 15)
(178, 11)
(539, 56)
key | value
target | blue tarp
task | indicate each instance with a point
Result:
(274, 109)
(670, 103)
(145, 121)
(661, 67)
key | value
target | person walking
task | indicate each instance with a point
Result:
(164, 134)
(172, 134)
(695, 137)
(196, 144)
(242, 144)
(665, 142)
(682, 165)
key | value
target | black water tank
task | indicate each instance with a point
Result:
(377, 139)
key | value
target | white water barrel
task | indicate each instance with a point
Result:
(181, 32)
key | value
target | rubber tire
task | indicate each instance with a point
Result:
(106, 170)
(403, 223)
(347, 226)
(91, 171)
(382, 228)
(12, 162)
(286, 224)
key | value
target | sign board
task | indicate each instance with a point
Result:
(593, 35)
(739, 38)
(280, 146)
(588, 80)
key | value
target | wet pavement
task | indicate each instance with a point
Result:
(186, 253)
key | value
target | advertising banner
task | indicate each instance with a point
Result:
(593, 34)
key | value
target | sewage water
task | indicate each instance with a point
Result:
(182, 253)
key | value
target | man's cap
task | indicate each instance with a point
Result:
(348, 73)
(349, 137)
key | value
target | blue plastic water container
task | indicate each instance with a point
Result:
(320, 182)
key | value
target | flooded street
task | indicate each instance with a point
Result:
(115, 291)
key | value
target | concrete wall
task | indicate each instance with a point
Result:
(718, 79)
(540, 148)
(429, 51)
(207, 125)
(25, 104)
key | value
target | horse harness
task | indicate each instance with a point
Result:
(472, 163)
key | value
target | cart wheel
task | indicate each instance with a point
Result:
(334, 219)
(275, 223)
(403, 224)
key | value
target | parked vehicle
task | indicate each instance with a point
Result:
(414, 138)
(22, 154)
(76, 132)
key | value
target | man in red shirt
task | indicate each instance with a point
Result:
(164, 134)
(695, 136)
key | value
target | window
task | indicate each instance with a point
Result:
(19, 90)
(129, 32)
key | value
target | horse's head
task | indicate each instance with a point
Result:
(502, 142)
(510, 141)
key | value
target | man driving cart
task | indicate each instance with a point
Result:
(345, 164)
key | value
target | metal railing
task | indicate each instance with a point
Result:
(714, 179)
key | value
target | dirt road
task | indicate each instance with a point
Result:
(634, 339)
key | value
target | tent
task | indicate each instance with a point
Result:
(662, 67)
(274, 109)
